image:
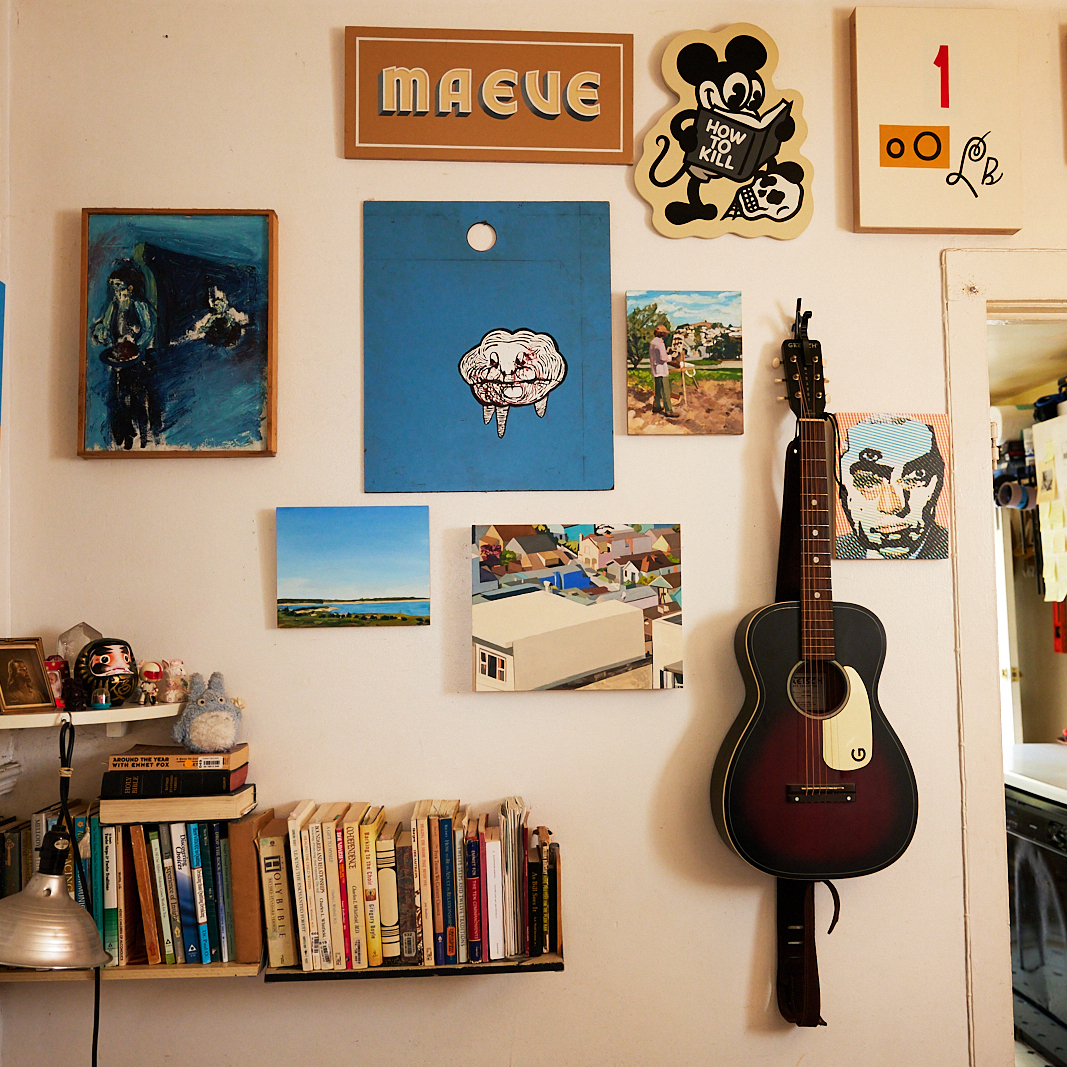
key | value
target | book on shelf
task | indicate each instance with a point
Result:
(437, 899)
(494, 891)
(369, 828)
(297, 820)
(132, 937)
(39, 826)
(227, 806)
(388, 897)
(274, 870)
(446, 811)
(473, 874)
(336, 912)
(544, 842)
(533, 918)
(176, 758)
(309, 892)
(216, 835)
(196, 871)
(406, 868)
(227, 881)
(139, 850)
(12, 878)
(166, 852)
(483, 822)
(420, 850)
(80, 818)
(159, 890)
(357, 905)
(342, 888)
(245, 885)
(95, 867)
(183, 878)
(207, 866)
(148, 785)
(319, 895)
(110, 854)
(459, 868)
(555, 900)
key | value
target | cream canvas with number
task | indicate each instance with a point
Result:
(936, 138)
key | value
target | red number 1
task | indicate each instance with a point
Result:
(942, 62)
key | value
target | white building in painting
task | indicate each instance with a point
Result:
(667, 652)
(541, 640)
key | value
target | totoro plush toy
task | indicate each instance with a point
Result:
(210, 719)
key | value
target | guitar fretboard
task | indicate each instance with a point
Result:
(816, 595)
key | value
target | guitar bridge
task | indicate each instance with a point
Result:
(830, 793)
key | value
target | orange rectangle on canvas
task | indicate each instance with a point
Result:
(913, 146)
(488, 95)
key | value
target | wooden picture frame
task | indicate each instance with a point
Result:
(24, 677)
(178, 353)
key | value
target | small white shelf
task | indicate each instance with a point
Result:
(115, 718)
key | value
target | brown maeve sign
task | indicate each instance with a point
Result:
(487, 95)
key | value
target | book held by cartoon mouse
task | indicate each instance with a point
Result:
(735, 145)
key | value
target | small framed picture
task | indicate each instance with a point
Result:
(24, 684)
(178, 338)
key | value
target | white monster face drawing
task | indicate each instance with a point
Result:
(508, 370)
(770, 196)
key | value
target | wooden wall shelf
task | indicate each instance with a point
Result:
(116, 719)
(549, 962)
(134, 972)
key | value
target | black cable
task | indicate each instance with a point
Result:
(66, 757)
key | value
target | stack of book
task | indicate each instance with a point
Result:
(345, 889)
(169, 852)
(22, 848)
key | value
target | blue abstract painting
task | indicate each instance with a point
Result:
(486, 370)
(178, 335)
(353, 566)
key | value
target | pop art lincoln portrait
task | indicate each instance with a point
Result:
(178, 339)
(891, 474)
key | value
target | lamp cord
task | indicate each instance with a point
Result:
(66, 758)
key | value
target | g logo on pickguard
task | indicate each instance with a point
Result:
(859, 754)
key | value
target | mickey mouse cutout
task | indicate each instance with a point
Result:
(726, 158)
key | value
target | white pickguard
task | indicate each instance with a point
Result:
(847, 737)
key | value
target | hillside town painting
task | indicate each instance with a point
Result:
(683, 362)
(576, 606)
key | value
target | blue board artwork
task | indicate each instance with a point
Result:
(486, 370)
(178, 337)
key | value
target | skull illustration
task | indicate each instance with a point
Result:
(769, 196)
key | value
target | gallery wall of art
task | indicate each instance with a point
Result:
(670, 937)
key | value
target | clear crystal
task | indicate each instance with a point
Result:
(72, 641)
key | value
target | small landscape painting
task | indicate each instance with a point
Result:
(178, 339)
(353, 566)
(576, 606)
(683, 363)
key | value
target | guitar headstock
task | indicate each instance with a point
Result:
(803, 366)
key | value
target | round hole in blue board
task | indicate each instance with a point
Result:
(481, 237)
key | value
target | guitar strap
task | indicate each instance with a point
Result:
(798, 966)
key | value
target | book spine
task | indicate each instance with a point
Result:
(144, 892)
(448, 888)
(196, 872)
(12, 863)
(388, 901)
(545, 922)
(220, 899)
(300, 899)
(166, 851)
(27, 854)
(96, 877)
(207, 866)
(555, 903)
(148, 785)
(38, 826)
(459, 867)
(426, 889)
(410, 952)
(68, 864)
(179, 761)
(369, 857)
(110, 895)
(474, 900)
(342, 893)
(322, 897)
(183, 878)
(482, 889)
(166, 930)
(494, 882)
(309, 895)
(227, 885)
(81, 827)
(533, 895)
(246, 883)
(417, 892)
(357, 908)
(438, 893)
(122, 873)
(281, 945)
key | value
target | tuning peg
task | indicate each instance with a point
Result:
(779, 398)
(778, 381)
(829, 399)
(776, 362)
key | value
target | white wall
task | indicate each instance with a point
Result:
(670, 939)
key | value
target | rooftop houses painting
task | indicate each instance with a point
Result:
(576, 606)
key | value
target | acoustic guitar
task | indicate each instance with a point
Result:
(811, 782)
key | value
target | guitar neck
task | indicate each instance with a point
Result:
(816, 594)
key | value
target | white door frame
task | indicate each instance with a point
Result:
(974, 282)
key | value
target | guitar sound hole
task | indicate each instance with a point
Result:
(818, 689)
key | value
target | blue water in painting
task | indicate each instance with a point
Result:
(210, 394)
(403, 607)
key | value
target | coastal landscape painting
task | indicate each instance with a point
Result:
(353, 566)
(589, 606)
(683, 362)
